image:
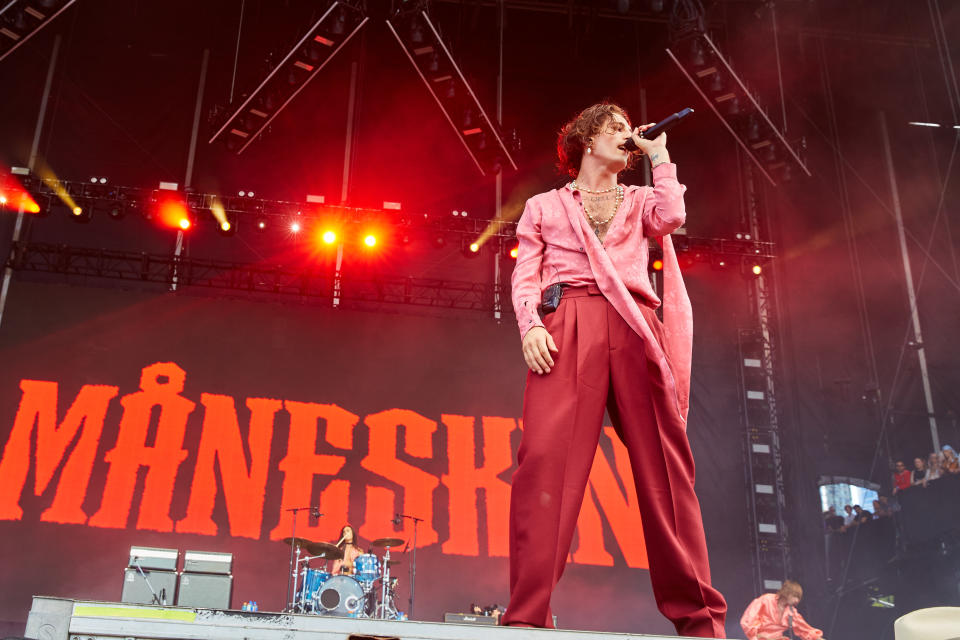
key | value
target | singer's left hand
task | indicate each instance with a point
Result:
(655, 149)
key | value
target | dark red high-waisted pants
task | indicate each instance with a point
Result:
(601, 363)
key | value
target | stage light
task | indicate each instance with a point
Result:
(261, 224)
(295, 227)
(370, 240)
(78, 211)
(225, 225)
(756, 269)
(329, 237)
(657, 265)
(80, 214)
(184, 223)
(469, 248)
(514, 251)
(3, 200)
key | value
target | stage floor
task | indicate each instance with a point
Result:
(65, 619)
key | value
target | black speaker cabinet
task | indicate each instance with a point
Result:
(204, 590)
(136, 591)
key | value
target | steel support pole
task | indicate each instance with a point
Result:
(191, 156)
(31, 165)
(911, 292)
(345, 185)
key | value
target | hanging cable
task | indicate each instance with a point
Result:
(236, 54)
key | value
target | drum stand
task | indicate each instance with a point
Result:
(386, 610)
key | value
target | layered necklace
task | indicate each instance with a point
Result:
(595, 220)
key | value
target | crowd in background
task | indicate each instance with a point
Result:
(937, 465)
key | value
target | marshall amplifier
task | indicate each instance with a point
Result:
(152, 558)
(207, 562)
(137, 591)
(204, 590)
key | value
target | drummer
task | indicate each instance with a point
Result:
(351, 551)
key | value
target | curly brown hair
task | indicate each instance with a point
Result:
(576, 135)
(790, 588)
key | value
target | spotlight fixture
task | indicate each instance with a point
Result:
(295, 227)
(469, 248)
(228, 226)
(81, 214)
(370, 240)
(329, 236)
(322, 41)
(260, 224)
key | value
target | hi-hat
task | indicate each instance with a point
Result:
(386, 542)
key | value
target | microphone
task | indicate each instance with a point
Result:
(658, 128)
(315, 512)
(397, 519)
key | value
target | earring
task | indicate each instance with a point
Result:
(589, 149)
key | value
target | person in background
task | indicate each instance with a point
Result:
(951, 463)
(891, 506)
(919, 473)
(934, 469)
(774, 616)
(850, 518)
(902, 478)
(879, 511)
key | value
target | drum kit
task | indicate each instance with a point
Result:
(369, 592)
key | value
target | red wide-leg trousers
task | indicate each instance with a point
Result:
(601, 362)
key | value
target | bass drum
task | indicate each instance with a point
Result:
(340, 596)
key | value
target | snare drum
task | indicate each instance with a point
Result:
(366, 567)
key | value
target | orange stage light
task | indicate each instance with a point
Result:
(513, 253)
(757, 269)
(329, 237)
(474, 247)
(658, 265)
(370, 240)
(174, 214)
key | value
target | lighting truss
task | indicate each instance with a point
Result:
(248, 278)
(728, 97)
(20, 20)
(246, 210)
(430, 57)
(301, 65)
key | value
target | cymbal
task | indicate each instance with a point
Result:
(386, 542)
(297, 542)
(320, 549)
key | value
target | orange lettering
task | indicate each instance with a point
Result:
(160, 385)
(244, 485)
(38, 406)
(464, 479)
(418, 485)
(302, 464)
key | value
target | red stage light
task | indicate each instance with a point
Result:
(658, 265)
(513, 252)
(756, 269)
(184, 223)
(295, 227)
(370, 240)
(329, 237)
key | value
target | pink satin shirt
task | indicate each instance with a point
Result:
(764, 620)
(557, 244)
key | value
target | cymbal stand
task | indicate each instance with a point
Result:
(413, 564)
(386, 610)
(295, 568)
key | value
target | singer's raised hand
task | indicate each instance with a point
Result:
(655, 149)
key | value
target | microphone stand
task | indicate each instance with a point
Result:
(156, 598)
(295, 568)
(413, 565)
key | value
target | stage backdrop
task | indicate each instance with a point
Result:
(175, 420)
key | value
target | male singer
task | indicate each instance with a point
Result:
(583, 259)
